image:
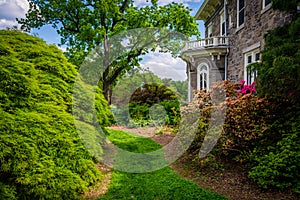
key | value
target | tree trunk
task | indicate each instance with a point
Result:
(106, 88)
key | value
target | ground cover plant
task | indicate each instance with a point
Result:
(41, 154)
(160, 185)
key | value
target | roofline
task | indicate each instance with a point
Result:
(201, 10)
(206, 9)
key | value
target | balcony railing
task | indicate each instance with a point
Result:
(207, 42)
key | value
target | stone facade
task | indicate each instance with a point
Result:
(257, 22)
(242, 40)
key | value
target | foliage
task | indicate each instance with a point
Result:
(280, 165)
(262, 131)
(41, 154)
(246, 120)
(281, 49)
(161, 184)
(290, 5)
(256, 133)
(145, 97)
(85, 25)
(126, 85)
(181, 88)
(277, 156)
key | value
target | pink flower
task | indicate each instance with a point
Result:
(246, 89)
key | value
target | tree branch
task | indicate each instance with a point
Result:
(122, 10)
(119, 70)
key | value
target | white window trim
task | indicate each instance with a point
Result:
(222, 20)
(209, 29)
(263, 4)
(231, 20)
(253, 54)
(189, 84)
(238, 12)
(198, 75)
(265, 8)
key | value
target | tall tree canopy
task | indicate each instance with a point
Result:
(87, 24)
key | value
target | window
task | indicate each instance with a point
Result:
(241, 12)
(266, 3)
(209, 34)
(251, 74)
(231, 19)
(202, 78)
(222, 23)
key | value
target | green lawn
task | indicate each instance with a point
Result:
(160, 185)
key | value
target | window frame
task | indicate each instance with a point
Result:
(238, 13)
(209, 30)
(205, 75)
(222, 23)
(250, 77)
(231, 20)
(264, 4)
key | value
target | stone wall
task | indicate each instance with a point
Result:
(216, 70)
(257, 23)
(215, 22)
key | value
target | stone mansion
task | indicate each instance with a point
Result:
(234, 38)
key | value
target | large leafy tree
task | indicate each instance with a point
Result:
(87, 24)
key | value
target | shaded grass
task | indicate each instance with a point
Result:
(162, 184)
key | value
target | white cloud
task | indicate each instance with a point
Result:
(165, 66)
(4, 23)
(62, 48)
(10, 10)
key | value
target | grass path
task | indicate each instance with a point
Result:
(163, 184)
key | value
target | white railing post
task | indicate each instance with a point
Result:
(215, 41)
(205, 42)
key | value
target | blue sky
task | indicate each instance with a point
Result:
(12, 9)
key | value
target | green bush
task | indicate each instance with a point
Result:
(144, 99)
(279, 167)
(276, 158)
(41, 154)
(279, 70)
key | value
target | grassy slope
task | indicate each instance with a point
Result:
(162, 184)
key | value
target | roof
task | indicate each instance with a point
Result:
(207, 9)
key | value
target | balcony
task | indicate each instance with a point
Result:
(218, 41)
(214, 46)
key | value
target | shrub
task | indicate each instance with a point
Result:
(244, 122)
(143, 99)
(279, 166)
(276, 157)
(279, 70)
(256, 133)
(41, 154)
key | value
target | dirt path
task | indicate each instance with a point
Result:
(149, 132)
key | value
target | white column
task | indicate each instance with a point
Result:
(189, 84)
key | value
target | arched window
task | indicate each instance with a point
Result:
(202, 77)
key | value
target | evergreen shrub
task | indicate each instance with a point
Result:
(41, 154)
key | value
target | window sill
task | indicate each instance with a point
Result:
(240, 28)
(265, 9)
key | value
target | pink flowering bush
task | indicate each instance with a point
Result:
(246, 89)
